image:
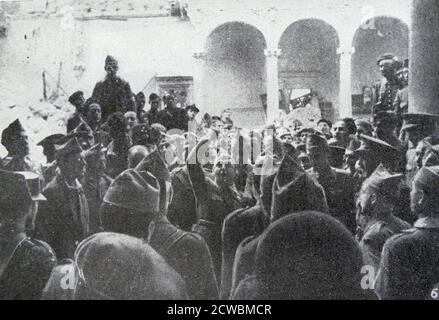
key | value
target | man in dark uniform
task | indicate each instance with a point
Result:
(95, 184)
(409, 264)
(25, 263)
(91, 123)
(63, 220)
(15, 140)
(214, 199)
(385, 90)
(48, 145)
(113, 94)
(152, 115)
(375, 220)
(337, 183)
(134, 205)
(172, 117)
(77, 100)
(416, 127)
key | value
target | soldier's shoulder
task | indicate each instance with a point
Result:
(402, 239)
(40, 250)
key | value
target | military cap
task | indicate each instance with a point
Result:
(329, 123)
(308, 255)
(383, 182)
(316, 141)
(156, 166)
(193, 108)
(13, 191)
(371, 144)
(113, 266)
(428, 178)
(385, 56)
(294, 190)
(14, 129)
(76, 95)
(131, 190)
(51, 140)
(418, 120)
(306, 130)
(110, 59)
(71, 147)
(284, 132)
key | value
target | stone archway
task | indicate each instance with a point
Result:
(234, 74)
(377, 36)
(309, 60)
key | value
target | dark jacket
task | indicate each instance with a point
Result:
(173, 119)
(238, 225)
(189, 255)
(375, 235)
(182, 210)
(409, 265)
(28, 270)
(63, 220)
(114, 95)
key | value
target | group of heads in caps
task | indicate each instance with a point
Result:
(135, 204)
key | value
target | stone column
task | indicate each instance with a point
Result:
(200, 62)
(345, 94)
(424, 57)
(272, 56)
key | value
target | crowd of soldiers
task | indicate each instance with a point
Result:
(135, 204)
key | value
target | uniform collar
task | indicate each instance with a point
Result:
(427, 223)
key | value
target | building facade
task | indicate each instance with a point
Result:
(238, 54)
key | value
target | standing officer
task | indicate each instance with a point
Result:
(113, 93)
(63, 220)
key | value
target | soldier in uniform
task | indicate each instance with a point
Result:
(48, 144)
(25, 263)
(408, 268)
(63, 220)
(136, 205)
(214, 199)
(172, 117)
(375, 220)
(15, 140)
(385, 90)
(113, 94)
(337, 183)
(77, 100)
(95, 184)
(92, 124)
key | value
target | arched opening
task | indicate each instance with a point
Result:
(375, 37)
(234, 74)
(309, 62)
